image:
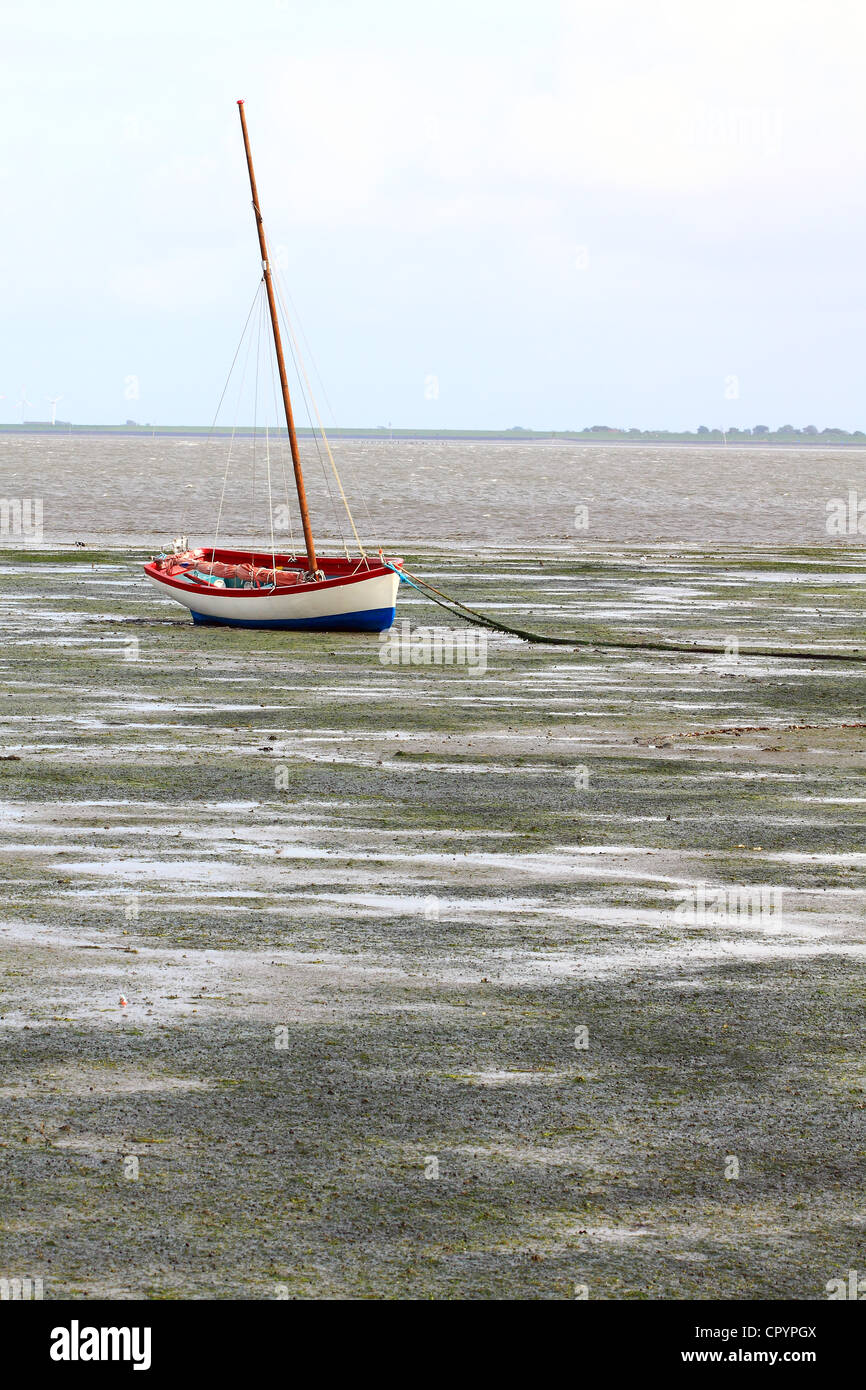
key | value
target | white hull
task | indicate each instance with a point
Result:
(364, 604)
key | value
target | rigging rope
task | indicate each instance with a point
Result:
(461, 610)
(257, 299)
(284, 295)
(282, 444)
(270, 505)
(297, 357)
(336, 514)
(308, 397)
(256, 416)
(219, 407)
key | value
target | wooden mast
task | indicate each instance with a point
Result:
(281, 363)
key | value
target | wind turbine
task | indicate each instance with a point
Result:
(52, 401)
(23, 401)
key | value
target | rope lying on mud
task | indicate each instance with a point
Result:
(471, 615)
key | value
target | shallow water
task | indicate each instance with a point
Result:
(141, 491)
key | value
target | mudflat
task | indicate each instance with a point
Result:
(532, 976)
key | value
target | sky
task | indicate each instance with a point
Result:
(634, 212)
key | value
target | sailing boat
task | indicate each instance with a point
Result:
(264, 589)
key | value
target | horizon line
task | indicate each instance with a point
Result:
(591, 432)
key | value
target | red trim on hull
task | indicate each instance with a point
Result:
(338, 571)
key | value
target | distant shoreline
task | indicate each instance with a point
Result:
(777, 438)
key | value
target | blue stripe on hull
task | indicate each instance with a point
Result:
(371, 620)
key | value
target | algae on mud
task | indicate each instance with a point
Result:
(383, 954)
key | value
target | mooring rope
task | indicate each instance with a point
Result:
(471, 615)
